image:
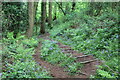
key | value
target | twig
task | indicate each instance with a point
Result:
(110, 68)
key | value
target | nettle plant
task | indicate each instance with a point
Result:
(17, 59)
(52, 53)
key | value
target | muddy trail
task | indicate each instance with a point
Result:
(58, 72)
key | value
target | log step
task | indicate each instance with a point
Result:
(81, 73)
(82, 56)
(85, 62)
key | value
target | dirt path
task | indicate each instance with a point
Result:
(89, 61)
(54, 69)
(58, 72)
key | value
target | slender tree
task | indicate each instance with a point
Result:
(1, 17)
(35, 11)
(35, 8)
(31, 18)
(50, 14)
(60, 6)
(43, 17)
(73, 5)
(55, 12)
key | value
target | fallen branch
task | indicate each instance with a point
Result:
(110, 69)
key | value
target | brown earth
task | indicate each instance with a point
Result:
(58, 72)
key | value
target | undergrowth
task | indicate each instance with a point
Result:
(52, 53)
(98, 36)
(17, 58)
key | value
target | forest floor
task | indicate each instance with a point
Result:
(56, 71)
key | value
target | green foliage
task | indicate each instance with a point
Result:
(73, 68)
(67, 62)
(102, 44)
(27, 69)
(52, 53)
(17, 58)
(57, 30)
(30, 42)
(98, 36)
(104, 74)
(96, 33)
(14, 16)
(10, 38)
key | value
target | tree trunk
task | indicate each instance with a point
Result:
(50, 14)
(55, 12)
(31, 18)
(35, 8)
(35, 11)
(73, 5)
(1, 17)
(43, 17)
